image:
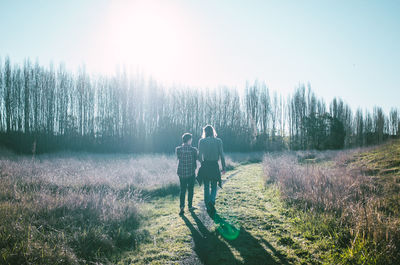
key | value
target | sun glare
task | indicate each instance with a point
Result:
(146, 34)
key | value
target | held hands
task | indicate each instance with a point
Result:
(220, 184)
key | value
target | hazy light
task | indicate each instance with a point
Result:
(150, 35)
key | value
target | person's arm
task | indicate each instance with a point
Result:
(221, 155)
(195, 156)
(178, 153)
(200, 156)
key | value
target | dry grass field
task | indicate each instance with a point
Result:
(76, 208)
(350, 196)
(68, 208)
(332, 207)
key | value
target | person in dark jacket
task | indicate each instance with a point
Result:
(187, 156)
(210, 152)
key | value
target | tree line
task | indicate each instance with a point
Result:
(45, 109)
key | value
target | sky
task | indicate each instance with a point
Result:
(348, 49)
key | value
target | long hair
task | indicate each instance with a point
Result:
(209, 131)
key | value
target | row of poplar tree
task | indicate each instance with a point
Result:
(45, 109)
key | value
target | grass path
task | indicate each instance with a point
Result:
(267, 234)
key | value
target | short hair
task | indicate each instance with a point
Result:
(209, 131)
(186, 137)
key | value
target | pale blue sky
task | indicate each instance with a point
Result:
(346, 48)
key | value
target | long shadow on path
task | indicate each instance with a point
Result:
(210, 249)
(250, 248)
(252, 251)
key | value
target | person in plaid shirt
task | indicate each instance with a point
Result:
(187, 156)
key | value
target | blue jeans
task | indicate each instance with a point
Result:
(210, 197)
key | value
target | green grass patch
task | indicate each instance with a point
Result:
(267, 235)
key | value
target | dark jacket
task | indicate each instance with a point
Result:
(210, 149)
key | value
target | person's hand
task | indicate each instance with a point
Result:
(220, 184)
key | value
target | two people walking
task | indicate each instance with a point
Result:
(209, 152)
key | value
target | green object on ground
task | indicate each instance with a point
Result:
(226, 229)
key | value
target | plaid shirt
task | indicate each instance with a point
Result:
(187, 156)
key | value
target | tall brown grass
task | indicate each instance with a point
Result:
(75, 208)
(328, 187)
(69, 208)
